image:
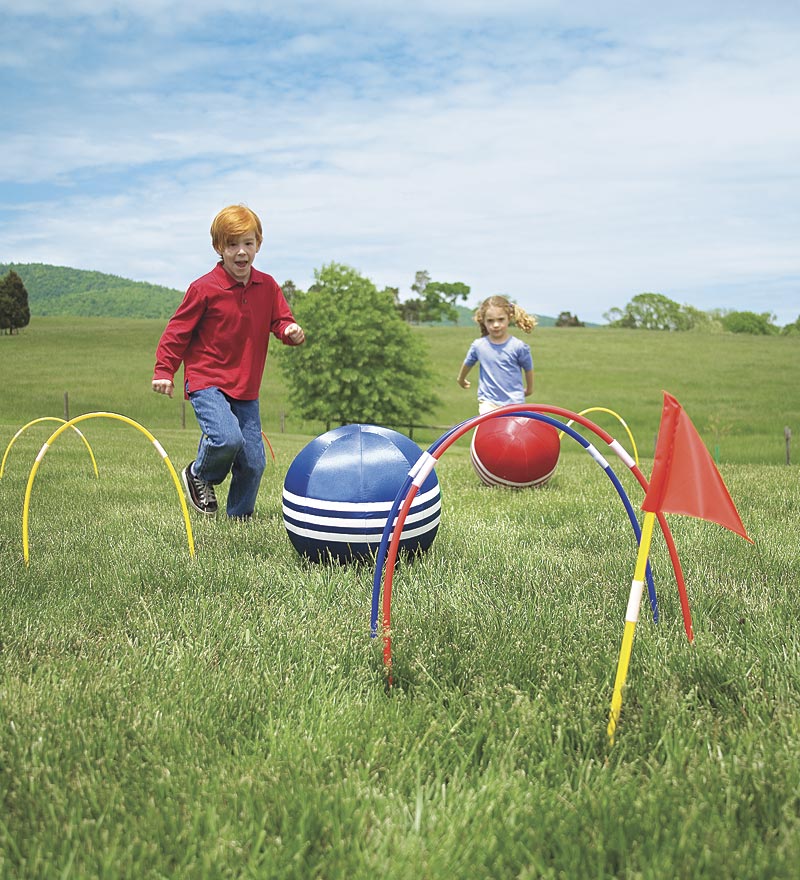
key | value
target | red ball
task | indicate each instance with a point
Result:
(515, 451)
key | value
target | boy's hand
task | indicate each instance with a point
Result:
(163, 386)
(294, 332)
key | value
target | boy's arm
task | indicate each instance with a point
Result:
(174, 341)
(164, 386)
(294, 334)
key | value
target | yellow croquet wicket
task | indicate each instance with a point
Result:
(618, 417)
(101, 415)
(24, 428)
(631, 619)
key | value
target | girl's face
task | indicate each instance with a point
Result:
(495, 320)
(238, 255)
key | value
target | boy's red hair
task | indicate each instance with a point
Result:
(233, 221)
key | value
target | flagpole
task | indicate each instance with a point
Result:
(631, 619)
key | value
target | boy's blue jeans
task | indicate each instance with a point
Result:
(231, 443)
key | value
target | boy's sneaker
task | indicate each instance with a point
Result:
(201, 494)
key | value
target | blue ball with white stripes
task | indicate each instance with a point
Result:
(339, 490)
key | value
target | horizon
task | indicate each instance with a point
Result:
(569, 158)
(462, 307)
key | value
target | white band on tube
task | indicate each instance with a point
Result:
(634, 602)
(622, 453)
(421, 470)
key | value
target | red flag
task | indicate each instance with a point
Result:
(685, 479)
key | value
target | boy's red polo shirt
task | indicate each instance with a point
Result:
(221, 333)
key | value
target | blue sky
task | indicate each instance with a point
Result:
(567, 154)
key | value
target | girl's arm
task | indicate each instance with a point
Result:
(528, 383)
(462, 376)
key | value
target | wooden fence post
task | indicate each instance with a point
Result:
(66, 406)
(787, 434)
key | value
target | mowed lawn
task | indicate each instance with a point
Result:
(740, 391)
(227, 714)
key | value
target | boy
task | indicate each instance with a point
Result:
(221, 333)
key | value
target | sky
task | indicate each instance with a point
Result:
(569, 155)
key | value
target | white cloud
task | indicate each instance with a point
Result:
(570, 170)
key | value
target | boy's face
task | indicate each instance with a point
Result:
(238, 255)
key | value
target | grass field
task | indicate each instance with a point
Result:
(226, 716)
(740, 391)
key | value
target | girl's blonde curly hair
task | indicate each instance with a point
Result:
(516, 315)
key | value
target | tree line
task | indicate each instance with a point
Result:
(436, 302)
(654, 311)
(367, 364)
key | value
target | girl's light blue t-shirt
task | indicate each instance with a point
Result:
(501, 367)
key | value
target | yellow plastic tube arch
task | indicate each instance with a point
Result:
(617, 417)
(100, 415)
(36, 421)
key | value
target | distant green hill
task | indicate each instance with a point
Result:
(465, 318)
(59, 290)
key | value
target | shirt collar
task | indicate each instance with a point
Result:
(225, 280)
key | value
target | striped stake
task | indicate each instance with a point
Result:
(631, 619)
(684, 480)
(46, 419)
(100, 415)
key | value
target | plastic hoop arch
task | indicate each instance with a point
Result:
(428, 460)
(269, 445)
(540, 417)
(101, 415)
(45, 419)
(597, 458)
(619, 418)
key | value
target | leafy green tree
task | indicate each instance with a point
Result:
(749, 322)
(6, 308)
(792, 329)
(422, 278)
(654, 311)
(361, 362)
(702, 322)
(411, 310)
(14, 310)
(441, 298)
(435, 301)
(567, 319)
(649, 311)
(289, 289)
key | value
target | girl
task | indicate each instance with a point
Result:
(502, 357)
